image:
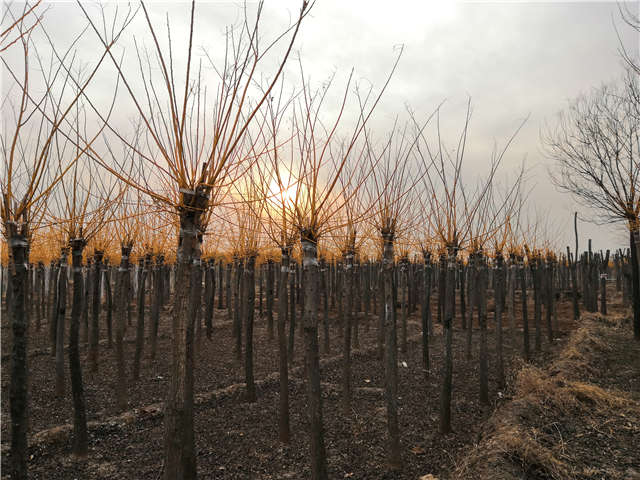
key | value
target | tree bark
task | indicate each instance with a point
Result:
(95, 312)
(179, 440)
(143, 265)
(18, 388)
(390, 353)
(426, 313)
(447, 374)
(121, 317)
(283, 366)
(60, 323)
(249, 289)
(312, 356)
(80, 435)
(347, 294)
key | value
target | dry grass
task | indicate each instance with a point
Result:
(524, 439)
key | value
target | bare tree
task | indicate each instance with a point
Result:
(595, 146)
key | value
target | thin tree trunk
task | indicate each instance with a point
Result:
(18, 388)
(53, 306)
(155, 306)
(60, 323)
(142, 280)
(447, 375)
(121, 317)
(390, 354)
(283, 367)
(80, 435)
(312, 357)
(270, 280)
(482, 320)
(525, 314)
(250, 293)
(426, 312)
(95, 313)
(499, 300)
(347, 294)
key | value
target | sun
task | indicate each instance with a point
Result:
(282, 196)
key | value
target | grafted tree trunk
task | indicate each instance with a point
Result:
(536, 275)
(634, 240)
(325, 304)
(156, 302)
(143, 265)
(312, 356)
(472, 282)
(499, 300)
(237, 318)
(292, 312)
(511, 294)
(426, 312)
(109, 300)
(60, 322)
(87, 282)
(250, 293)
(482, 320)
(209, 296)
(603, 284)
(347, 294)
(270, 281)
(404, 301)
(40, 302)
(121, 317)
(80, 435)
(95, 312)
(179, 441)
(18, 388)
(390, 352)
(53, 305)
(447, 374)
(525, 313)
(283, 367)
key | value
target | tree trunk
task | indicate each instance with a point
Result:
(18, 388)
(426, 313)
(237, 318)
(143, 265)
(53, 305)
(107, 285)
(634, 241)
(95, 312)
(270, 280)
(283, 367)
(80, 435)
(155, 305)
(310, 323)
(179, 457)
(347, 293)
(292, 312)
(60, 322)
(499, 300)
(390, 353)
(325, 304)
(472, 282)
(447, 374)
(525, 314)
(250, 293)
(482, 320)
(536, 275)
(121, 317)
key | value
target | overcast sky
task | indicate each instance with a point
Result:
(514, 59)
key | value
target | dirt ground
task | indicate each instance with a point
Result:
(238, 440)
